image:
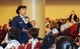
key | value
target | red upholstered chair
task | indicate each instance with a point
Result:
(72, 30)
(28, 46)
(21, 47)
(38, 45)
(4, 31)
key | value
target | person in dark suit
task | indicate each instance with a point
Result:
(73, 16)
(48, 41)
(20, 23)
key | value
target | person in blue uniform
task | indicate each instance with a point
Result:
(20, 23)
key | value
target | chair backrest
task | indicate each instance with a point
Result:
(4, 26)
(21, 47)
(28, 46)
(38, 45)
(72, 29)
(12, 47)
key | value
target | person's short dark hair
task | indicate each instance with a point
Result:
(34, 32)
(63, 42)
(19, 8)
(59, 24)
(13, 33)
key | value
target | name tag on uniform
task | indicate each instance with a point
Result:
(20, 22)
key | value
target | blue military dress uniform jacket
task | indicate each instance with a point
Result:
(20, 24)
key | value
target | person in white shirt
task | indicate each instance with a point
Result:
(1, 47)
(47, 29)
(64, 26)
(47, 21)
(79, 48)
(55, 31)
(12, 43)
(13, 36)
(33, 35)
(27, 19)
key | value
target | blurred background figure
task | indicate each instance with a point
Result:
(47, 21)
(27, 19)
(47, 28)
(10, 22)
(73, 17)
(33, 22)
(63, 42)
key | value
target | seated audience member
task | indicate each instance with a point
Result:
(64, 25)
(59, 28)
(77, 40)
(10, 22)
(64, 28)
(56, 20)
(27, 22)
(48, 41)
(64, 42)
(27, 19)
(33, 35)
(55, 31)
(60, 20)
(33, 22)
(54, 28)
(47, 21)
(69, 23)
(53, 24)
(47, 28)
(13, 36)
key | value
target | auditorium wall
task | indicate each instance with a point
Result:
(8, 10)
(61, 8)
(53, 9)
